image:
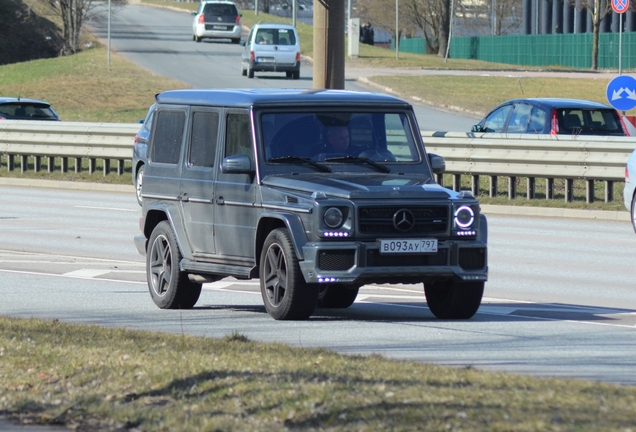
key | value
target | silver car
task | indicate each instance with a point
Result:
(630, 187)
(217, 20)
(271, 48)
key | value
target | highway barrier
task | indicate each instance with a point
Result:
(551, 157)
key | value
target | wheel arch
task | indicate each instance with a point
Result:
(269, 221)
(162, 212)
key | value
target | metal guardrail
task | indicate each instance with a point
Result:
(65, 140)
(590, 158)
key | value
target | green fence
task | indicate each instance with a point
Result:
(570, 50)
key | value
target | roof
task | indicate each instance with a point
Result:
(5, 100)
(562, 103)
(277, 97)
(273, 25)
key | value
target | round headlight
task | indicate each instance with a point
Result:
(464, 217)
(333, 218)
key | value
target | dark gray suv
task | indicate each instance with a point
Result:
(314, 192)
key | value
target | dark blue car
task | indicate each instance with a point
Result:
(554, 116)
(26, 109)
(139, 152)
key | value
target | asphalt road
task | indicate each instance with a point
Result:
(160, 40)
(559, 302)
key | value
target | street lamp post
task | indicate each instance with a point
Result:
(397, 32)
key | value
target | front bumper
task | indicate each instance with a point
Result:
(141, 243)
(359, 263)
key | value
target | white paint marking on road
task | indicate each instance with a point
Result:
(86, 273)
(61, 275)
(107, 208)
(71, 257)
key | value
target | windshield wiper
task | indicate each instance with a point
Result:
(379, 167)
(305, 160)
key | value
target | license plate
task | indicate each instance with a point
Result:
(265, 60)
(219, 27)
(408, 246)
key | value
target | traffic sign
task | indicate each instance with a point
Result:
(620, 6)
(621, 92)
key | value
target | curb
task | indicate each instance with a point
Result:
(487, 209)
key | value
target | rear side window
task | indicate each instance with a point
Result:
(168, 135)
(205, 127)
(220, 9)
(538, 120)
(519, 119)
(589, 122)
(27, 111)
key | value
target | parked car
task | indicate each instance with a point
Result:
(217, 20)
(316, 193)
(629, 191)
(26, 109)
(553, 116)
(271, 48)
(140, 149)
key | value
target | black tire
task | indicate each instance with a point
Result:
(197, 39)
(336, 296)
(169, 287)
(289, 74)
(285, 293)
(634, 212)
(296, 75)
(243, 71)
(250, 72)
(139, 179)
(454, 300)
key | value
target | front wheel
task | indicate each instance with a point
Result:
(454, 300)
(170, 288)
(250, 72)
(336, 296)
(285, 293)
(634, 212)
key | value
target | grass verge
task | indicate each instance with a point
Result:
(93, 378)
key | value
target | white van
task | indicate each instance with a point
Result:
(271, 48)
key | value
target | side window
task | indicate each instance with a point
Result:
(168, 136)
(237, 136)
(496, 120)
(519, 119)
(205, 127)
(538, 120)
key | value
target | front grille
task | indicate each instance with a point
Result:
(336, 260)
(379, 220)
(472, 258)
(376, 259)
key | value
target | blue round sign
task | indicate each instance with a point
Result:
(621, 92)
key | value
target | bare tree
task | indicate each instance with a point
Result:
(598, 9)
(74, 13)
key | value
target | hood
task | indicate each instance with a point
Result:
(363, 186)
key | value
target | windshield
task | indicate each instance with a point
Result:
(330, 136)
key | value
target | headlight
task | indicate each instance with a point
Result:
(333, 218)
(464, 217)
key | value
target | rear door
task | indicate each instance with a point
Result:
(221, 16)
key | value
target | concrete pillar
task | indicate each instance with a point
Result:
(568, 17)
(557, 16)
(630, 22)
(616, 22)
(526, 17)
(579, 18)
(546, 17)
(329, 52)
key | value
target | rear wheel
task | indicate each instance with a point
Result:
(139, 179)
(289, 74)
(336, 296)
(170, 288)
(296, 75)
(454, 300)
(196, 38)
(285, 293)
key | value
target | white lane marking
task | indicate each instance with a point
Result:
(63, 276)
(107, 208)
(89, 259)
(86, 273)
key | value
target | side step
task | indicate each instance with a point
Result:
(240, 272)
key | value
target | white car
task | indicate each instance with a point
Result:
(271, 48)
(630, 187)
(217, 20)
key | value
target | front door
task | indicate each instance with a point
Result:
(235, 217)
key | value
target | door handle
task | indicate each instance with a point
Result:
(220, 201)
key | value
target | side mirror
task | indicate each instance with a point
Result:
(193, 13)
(141, 121)
(237, 164)
(437, 163)
(242, 42)
(477, 128)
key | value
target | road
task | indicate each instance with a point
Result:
(160, 40)
(559, 302)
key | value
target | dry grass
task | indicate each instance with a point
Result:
(92, 378)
